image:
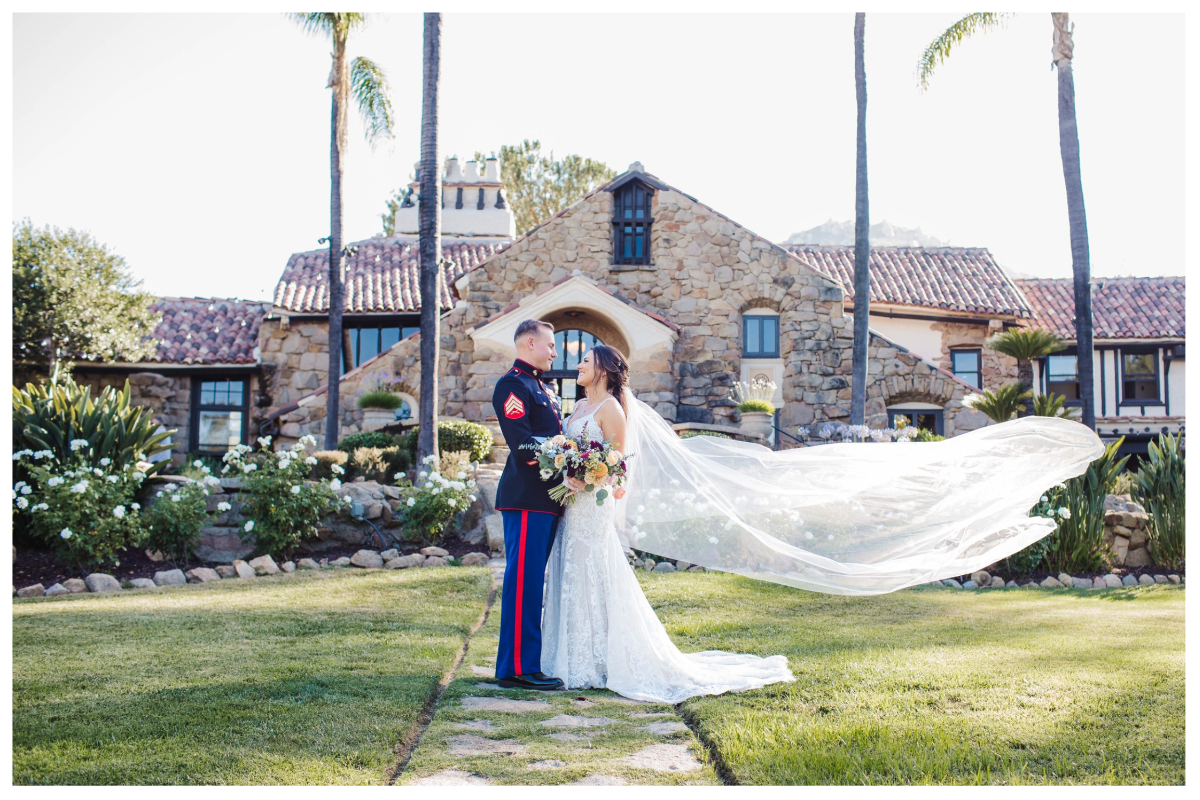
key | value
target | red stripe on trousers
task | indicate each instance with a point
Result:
(520, 591)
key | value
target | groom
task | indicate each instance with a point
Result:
(528, 413)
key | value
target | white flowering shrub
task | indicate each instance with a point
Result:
(174, 521)
(840, 432)
(86, 513)
(1051, 506)
(281, 507)
(436, 499)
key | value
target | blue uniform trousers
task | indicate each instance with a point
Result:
(528, 537)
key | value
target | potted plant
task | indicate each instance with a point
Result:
(754, 403)
(379, 405)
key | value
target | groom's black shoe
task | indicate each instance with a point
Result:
(537, 681)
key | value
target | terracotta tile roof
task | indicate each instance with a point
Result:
(1122, 308)
(950, 278)
(382, 278)
(207, 330)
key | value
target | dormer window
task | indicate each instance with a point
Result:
(631, 223)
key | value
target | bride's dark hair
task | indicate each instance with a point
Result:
(609, 362)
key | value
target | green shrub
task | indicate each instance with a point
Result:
(1002, 404)
(765, 406)
(368, 439)
(1054, 405)
(1029, 560)
(715, 434)
(173, 522)
(455, 434)
(432, 504)
(326, 460)
(53, 417)
(1078, 545)
(280, 506)
(86, 514)
(380, 399)
(926, 435)
(1159, 488)
(1124, 483)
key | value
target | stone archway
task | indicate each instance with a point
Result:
(589, 321)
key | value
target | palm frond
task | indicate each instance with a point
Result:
(371, 91)
(1000, 405)
(939, 49)
(323, 23)
(1025, 344)
(1053, 405)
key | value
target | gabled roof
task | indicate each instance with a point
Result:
(965, 279)
(383, 278)
(207, 330)
(1122, 308)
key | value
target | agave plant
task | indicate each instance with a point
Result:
(1053, 405)
(1002, 404)
(51, 417)
(1078, 544)
(1159, 487)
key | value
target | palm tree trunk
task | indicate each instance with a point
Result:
(430, 237)
(1068, 141)
(1025, 377)
(862, 246)
(339, 81)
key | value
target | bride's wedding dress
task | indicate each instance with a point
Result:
(598, 629)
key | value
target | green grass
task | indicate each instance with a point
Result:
(310, 678)
(941, 685)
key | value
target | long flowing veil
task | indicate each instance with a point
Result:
(848, 518)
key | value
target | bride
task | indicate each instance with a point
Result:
(855, 519)
(598, 629)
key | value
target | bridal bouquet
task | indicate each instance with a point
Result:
(598, 464)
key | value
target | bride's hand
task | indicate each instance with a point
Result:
(619, 492)
(575, 484)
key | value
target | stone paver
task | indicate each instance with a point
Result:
(451, 777)
(483, 672)
(476, 725)
(666, 728)
(599, 780)
(503, 704)
(572, 721)
(664, 758)
(471, 745)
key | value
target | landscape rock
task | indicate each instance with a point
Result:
(36, 590)
(434, 561)
(75, 585)
(997, 582)
(434, 551)
(1012, 585)
(475, 560)
(102, 582)
(1146, 580)
(307, 563)
(1129, 580)
(243, 569)
(1050, 583)
(404, 562)
(1066, 580)
(649, 564)
(970, 585)
(367, 559)
(170, 577)
(1099, 583)
(1157, 579)
(664, 566)
(951, 582)
(682, 566)
(202, 575)
(142, 583)
(494, 525)
(340, 562)
(226, 571)
(388, 555)
(264, 565)
(1138, 558)
(981, 578)
(1173, 578)
(288, 566)
(696, 568)
(1112, 582)
(57, 589)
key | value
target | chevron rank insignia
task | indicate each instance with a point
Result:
(513, 407)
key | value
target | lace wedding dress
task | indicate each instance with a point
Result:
(598, 629)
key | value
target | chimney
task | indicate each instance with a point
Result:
(473, 202)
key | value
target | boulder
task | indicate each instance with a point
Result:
(952, 583)
(243, 569)
(264, 565)
(1120, 547)
(288, 566)
(1138, 558)
(648, 564)
(36, 590)
(57, 589)
(223, 545)
(202, 575)
(1112, 581)
(494, 524)
(434, 551)
(970, 585)
(1173, 578)
(367, 559)
(683, 566)
(1146, 580)
(1138, 538)
(1099, 583)
(434, 561)
(664, 566)
(1129, 580)
(695, 568)
(1011, 585)
(340, 562)
(75, 585)
(142, 583)
(226, 571)
(388, 555)
(155, 555)
(981, 578)
(1157, 579)
(475, 560)
(404, 562)
(172, 577)
(1066, 580)
(997, 582)
(1050, 583)
(307, 563)
(102, 582)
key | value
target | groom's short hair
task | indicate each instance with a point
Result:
(530, 326)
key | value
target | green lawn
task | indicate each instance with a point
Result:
(941, 685)
(310, 678)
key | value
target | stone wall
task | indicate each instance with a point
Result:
(997, 369)
(168, 396)
(1127, 531)
(300, 354)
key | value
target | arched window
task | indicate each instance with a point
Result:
(631, 223)
(408, 408)
(571, 344)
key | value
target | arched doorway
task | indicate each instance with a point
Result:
(571, 344)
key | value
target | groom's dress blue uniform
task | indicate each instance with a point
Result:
(527, 414)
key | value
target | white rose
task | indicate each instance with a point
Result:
(336, 469)
(104, 462)
(311, 461)
(65, 533)
(461, 475)
(41, 507)
(136, 506)
(437, 490)
(399, 476)
(175, 498)
(452, 502)
(1064, 513)
(296, 489)
(335, 484)
(112, 479)
(119, 512)
(22, 503)
(471, 498)
(249, 526)
(26, 490)
(158, 494)
(223, 506)
(196, 463)
(97, 472)
(713, 539)
(55, 481)
(412, 501)
(80, 487)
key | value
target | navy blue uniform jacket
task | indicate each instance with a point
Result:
(525, 410)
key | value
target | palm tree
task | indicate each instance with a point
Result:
(1053, 405)
(862, 245)
(370, 88)
(1025, 345)
(999, 405)
(429, 233)
(1068, 142)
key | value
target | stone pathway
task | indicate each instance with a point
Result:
(482, 734)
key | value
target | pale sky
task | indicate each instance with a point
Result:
(197, 146)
